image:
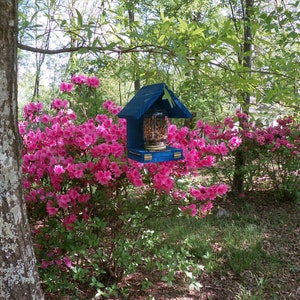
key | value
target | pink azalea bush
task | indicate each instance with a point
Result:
(89, 204)
(272, 154)
(85, 197)
(276, 150)
(94, 153)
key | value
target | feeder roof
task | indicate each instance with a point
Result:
(158, 94)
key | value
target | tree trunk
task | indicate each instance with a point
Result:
(245, 61)
(134, 56)
(18, 275)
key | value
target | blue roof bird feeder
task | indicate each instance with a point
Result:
(147, 127)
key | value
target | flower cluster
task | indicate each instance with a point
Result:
(271, 137)
(68, 87)
(32, 110)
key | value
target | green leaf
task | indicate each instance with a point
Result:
(198, 31)
(161, 39)
(168, 97)
(183, 25)
(83, 51)
(79, 17)
(111, 46)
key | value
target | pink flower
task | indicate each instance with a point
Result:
(135, 177)
(221, 189)
(206, 209)
(59, 103)
(190, 210)
(163, 181)
(206, 162)
(26, 184)
(69, 221)
(107, 104)
(100, 150)
(88, 139)
(45, 119)
(45, 264)
(73, 193)
(116, 170)
(78, 79)
(210, 192)
(31, 111)
(63, 200)
(67, 262)
(33, 107)
(229, 122)
(103, 177)
(117, 149)
(22, 127)
(66, 87)
(50, 209)
(208, 129)
(241, 115)
(75, 170)
(195, 193)
(71, 115)
(261, 140)
(58, 169)
(58, 262)
(234, 142)
(217, 149)
(200, 124)
(84, 198)
(92, 82)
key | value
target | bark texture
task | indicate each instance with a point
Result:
(245, 61)
(19, 279)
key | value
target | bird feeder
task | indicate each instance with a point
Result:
(155, 129)
(147, 116)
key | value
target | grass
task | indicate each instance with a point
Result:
(240, 245)
(252, 254)
(230, 244)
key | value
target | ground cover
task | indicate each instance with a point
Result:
(251, 253)
(254, 253)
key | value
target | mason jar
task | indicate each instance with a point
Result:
(155, 130)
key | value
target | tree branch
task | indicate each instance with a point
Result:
(142, 48)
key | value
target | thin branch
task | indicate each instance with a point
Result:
(227, 68)
(143, 48)
(147, 48)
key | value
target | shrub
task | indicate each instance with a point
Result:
(272, 155)
(89, 204)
